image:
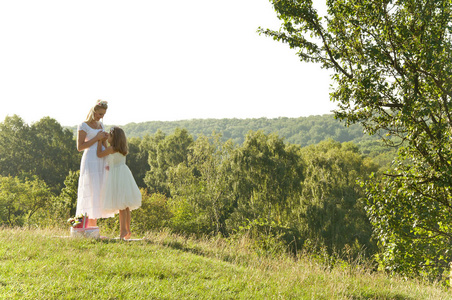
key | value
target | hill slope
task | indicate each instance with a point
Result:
(44, 264)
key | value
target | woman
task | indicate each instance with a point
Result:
(92, 168)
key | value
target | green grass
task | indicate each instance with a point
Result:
(46, 264)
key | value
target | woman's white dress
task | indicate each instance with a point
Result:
(121, 190)
(92, 170)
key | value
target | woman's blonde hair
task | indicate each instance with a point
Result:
(119, 140)
(99, 104)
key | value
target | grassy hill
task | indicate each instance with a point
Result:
(46, 264)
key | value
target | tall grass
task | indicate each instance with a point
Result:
(47, 264)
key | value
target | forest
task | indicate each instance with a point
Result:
(282, 194)
(301, 131)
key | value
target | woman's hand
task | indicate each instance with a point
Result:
(101, 136)
(82, 144)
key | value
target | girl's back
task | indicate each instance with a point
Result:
(116, 159)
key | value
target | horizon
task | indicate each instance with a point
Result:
(175, 121)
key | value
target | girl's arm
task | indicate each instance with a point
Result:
(104, 142)
(107, 151)
(82, 145)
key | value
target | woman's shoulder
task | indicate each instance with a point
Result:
(82, 126)
(85, 126)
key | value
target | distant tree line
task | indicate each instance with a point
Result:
(302, 131)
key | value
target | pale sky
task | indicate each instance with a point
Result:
(152, 61)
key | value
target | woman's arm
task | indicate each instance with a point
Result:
(107, 151)
(82, 145)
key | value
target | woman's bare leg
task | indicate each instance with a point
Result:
(92, 222)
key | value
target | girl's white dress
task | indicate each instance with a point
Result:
(92, 170)
(121, 190)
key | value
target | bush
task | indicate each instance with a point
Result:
(22, 200)
(154, 213)
(270, 238)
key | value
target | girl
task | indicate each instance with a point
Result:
(92, 168)
(121, 192)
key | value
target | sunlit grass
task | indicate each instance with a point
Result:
(46, 264)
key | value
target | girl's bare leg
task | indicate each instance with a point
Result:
(127, 223)
(92, 222)
(122, 223)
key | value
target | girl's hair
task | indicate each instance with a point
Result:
(99, 104)
(119, 140)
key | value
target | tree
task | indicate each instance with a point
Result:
(331, 212)
(68, 195)
(54, 152)
(165, 152)
(200, 187)
(267, 176)
(391, 64)
(44, 149)
(16, 147)
(137, 160)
